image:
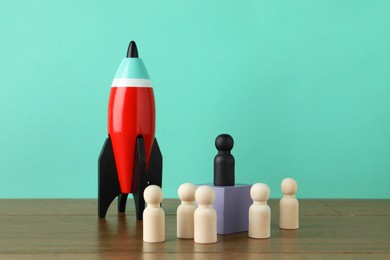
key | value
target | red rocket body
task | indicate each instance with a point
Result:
(131, 113)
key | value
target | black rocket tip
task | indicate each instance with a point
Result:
(132, 51)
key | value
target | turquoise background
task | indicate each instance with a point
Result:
(302, 86)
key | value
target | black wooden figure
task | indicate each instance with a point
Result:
(224, 161)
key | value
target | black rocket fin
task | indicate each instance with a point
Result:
(108, 182)
(122, 198)
(155, 165)
(139, 177)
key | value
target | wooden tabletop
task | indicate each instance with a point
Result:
(70, 229)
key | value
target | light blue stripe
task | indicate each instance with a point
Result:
(132, 68)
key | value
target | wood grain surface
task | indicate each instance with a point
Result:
(70, 229)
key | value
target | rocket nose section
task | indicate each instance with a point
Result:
(132, 68)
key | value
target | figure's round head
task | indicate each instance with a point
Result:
(186, 192)
(260, 192)
(289, 186)
(224, 142)
(153, 194)
(204, 195)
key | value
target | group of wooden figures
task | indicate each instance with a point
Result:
(197, 219)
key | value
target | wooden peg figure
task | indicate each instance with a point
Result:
(205, 217)
(224, 161)
(153, 216)
(289, 205)
(259, 212)
(186, 210)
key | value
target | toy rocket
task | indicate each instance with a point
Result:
(130, 159)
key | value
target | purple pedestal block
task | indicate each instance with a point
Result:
(232, 205)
